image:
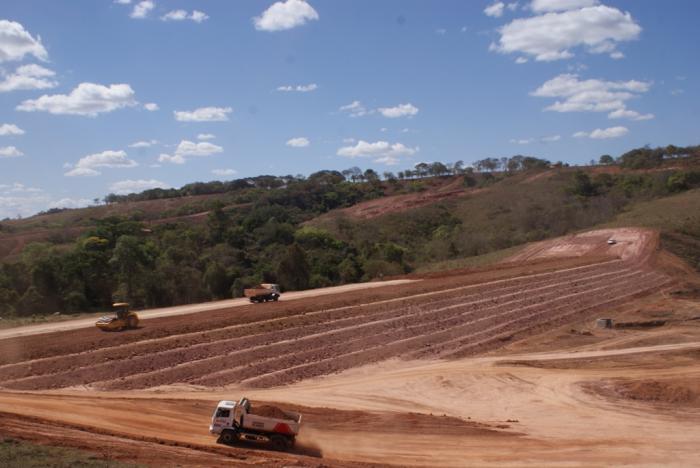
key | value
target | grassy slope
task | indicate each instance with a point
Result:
(16, 454)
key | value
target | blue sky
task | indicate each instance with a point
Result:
(244, 88)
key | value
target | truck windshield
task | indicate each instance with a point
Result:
(223, 413)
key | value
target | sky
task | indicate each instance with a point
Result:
(118, 96)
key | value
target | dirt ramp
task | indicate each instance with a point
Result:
(630, 244)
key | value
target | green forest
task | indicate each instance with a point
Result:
(289, 230)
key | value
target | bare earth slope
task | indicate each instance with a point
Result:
(389, 353)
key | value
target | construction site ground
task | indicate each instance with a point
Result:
(495, 366)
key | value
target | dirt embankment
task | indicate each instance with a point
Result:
(670, 393)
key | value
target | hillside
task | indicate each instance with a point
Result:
(210, 240)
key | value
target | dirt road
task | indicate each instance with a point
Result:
(193, 308)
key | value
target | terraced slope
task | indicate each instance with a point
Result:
(277, 350)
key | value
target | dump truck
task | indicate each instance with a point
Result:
(236, 421)
(263, 293)
(122, 320)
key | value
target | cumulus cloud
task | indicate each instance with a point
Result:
(182, 15)
(17, 206)
(551, 36)
(125, 187)
(495, 10)
(143, 144)
(10, 152)
(204, 114)
(10, 129)
(87, 166)
(142, 9)
(16, 42)
(151, 106)
(186, 149)
(602, 134)
(206, 136)
(299, 142)
(224, 172)
(298, 88)
(28, 77)
(402, 110)
(354, 109)
(285, 15)
(70, 203)
(543, 6)
(202, 148)
(629, 114)
(383, 151)
(174, 159)
(593, 95)
(87, 99)
(550, 139)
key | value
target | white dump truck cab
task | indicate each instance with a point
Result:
(236, 421)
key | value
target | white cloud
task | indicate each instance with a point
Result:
(71, 203)
(551, 36)
(629, 114)
(151, 106)
(142, 9)
(355, 109)
(198, 16)
(441, 31)
(402, 110)
(82, 172)
(28, 77)
(14, 206)
(206, 136)
(593, 95)
(87, 165)
(16, 42)
(299, 142)
(677, 92)
(176, 159)
(299, 88)
(202, 148)
(513, 6)
(550, 139)
(181, 15)
(204, 114)
(175, 15)
(87, 99)
(122, 2)
(224, 172)
(542, 6)
(143, 144)
(494, 10)
(601, 134)
(285, 15)
(125, 187)
(10, 152)
(17, 188)
(10, 129)
(527, 141)
(186, 149)
(384, 152)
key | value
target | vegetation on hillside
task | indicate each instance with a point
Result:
(289, 230)
(17, 454)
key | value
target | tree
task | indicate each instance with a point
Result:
(606, 159)
(293, 271)
(217, 281)
(128, 258)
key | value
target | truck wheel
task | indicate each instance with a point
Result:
(279, 443)
(275, 298)
(227, 437)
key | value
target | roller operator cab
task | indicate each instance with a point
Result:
(236, 421)
(122, 320)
